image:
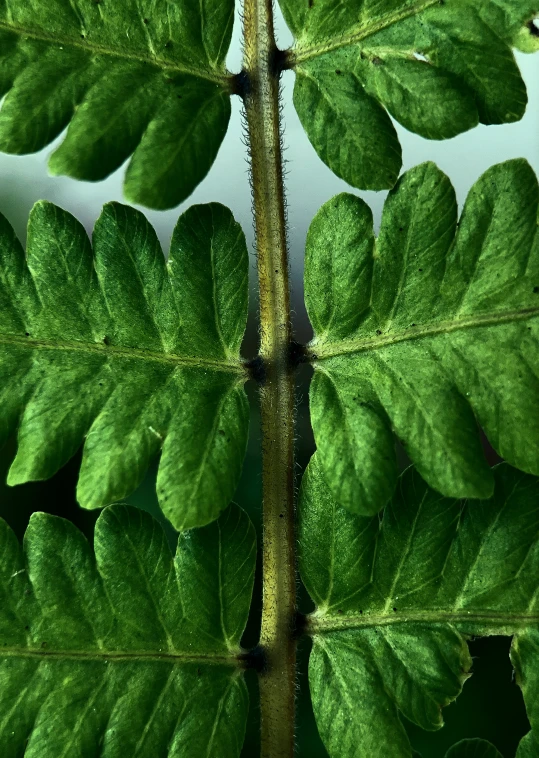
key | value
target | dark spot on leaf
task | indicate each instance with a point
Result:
(361, 613)
(394, 609)
(420, 270)
(281, 515)
(378, 331)
(377, 61)
(413, 324)
(536, 290)
(339, 611)
(106, 340)
(27, 334)
(146, 21)
(311, 3)
(338, 71)
(401, 228)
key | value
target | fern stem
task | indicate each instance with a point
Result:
(261, 98)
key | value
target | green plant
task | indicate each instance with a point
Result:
(423, 335)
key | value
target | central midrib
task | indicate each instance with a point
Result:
(323, 624)
(115, 351)
(299, 56)
(225, 80)
(326, 350)
(115, 656)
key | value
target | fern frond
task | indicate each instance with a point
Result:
(131, 354)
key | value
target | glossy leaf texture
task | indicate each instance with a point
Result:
(438, 68)
(134, 355)
(140, 78)
(397, 597)
(130, 652)
(426, 333)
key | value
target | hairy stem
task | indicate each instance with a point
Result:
(261, 98)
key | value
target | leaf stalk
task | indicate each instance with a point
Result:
(261, 100)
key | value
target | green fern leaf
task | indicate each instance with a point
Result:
(128, 653)
(133, 77)
(130, 353)
(397, 598)
(470, 748)
(529, 747)
(439, 68)
(525, 659)
(426, 332)
(473, 748)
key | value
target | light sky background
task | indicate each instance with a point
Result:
(309, 183)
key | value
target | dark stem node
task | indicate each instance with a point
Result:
(257, 370)
(297, 354)
(242, 84)
(255, 660)
(278, 61)
(300, 625)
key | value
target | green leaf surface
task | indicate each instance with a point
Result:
(131, 354)
(528, 747)
(140, 78)
(438, 68)
(425, 333)
(473, 748)
(396, 598)
(525, 659)
(130, 652)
